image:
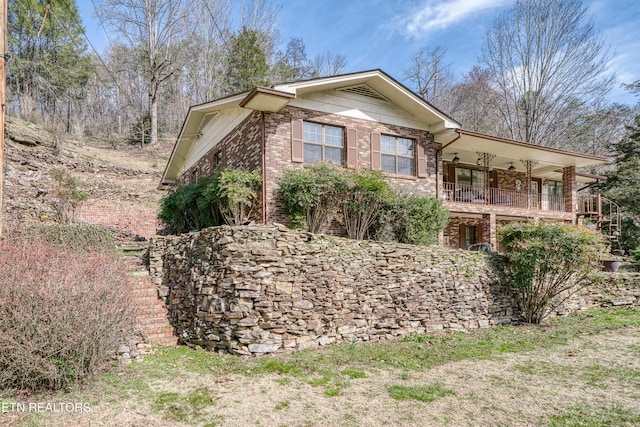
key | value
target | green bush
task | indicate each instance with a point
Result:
(367, 195)
(68, 193)
(629, 234)
(185, 208)
(412, 219)
(226, 196)
(313, 195)
(547, 263)
(234, 192)
(635, 255)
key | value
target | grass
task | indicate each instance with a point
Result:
(418, 352)
(182, 408)
(335, 369)
(594, 375)
(281, 405)
(425, 393)
(595, 416)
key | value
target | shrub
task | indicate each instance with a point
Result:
(547, 263)
(313, 195)
(412, 219)
(629, 234)
(364, 201)
(62, 312)
(69, 194)
(74, 236)
(185, 208)
(635, 255)
(226, 196)
(234, 191)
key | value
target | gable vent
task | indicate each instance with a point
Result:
(363, 90)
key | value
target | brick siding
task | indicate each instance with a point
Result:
(135, 220)
(278, 153)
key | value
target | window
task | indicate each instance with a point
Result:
(555, 190)
(323, 142)
(397, 155)
(470, 237)
(472, 177)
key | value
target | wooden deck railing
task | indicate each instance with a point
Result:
(502, 197)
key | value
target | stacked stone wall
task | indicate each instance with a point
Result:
(254, 290)
(262, 289)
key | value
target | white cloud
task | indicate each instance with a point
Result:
(440, 14)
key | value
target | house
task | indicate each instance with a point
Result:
(369, 120)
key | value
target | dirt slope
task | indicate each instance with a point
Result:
(127, 175)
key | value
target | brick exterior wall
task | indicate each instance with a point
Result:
(140, 221)
(278, 152)
(241, 148)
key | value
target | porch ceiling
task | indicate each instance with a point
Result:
(467, 144)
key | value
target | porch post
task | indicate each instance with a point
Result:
(489, 229)
(529, 164)
(485, 161)
(570, 189)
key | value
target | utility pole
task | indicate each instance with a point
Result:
(3, 96)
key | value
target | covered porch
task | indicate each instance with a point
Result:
(489, 181)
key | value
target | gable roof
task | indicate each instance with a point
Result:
(373, 83)
(380, 86)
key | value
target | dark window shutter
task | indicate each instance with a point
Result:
(297, 153)
(462, 236)
(223, 157)
(493, 179)
(452, 173)
(376, 160)
(421, 151)
(352, 148)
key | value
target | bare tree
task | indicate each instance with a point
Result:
(430, 77)
(154, 28)
(296, 57)
(261, 16)
(549, 64)
(327, 64)
(473, 103)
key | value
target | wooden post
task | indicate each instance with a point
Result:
(3, 80)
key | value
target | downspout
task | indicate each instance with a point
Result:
(264, 168)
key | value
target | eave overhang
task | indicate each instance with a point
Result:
(266, 99)
(547, 161)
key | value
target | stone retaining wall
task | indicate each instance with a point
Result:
(253, 290)
(260, 289)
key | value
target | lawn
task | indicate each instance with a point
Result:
(582, 370)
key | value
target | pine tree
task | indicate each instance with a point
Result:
(246, 66)
(623, 184)
(49, 66)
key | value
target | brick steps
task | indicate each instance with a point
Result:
(151, 314)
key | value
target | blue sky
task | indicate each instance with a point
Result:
(385, 33)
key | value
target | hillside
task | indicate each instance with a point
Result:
(124, 179)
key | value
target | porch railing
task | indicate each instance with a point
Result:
(501, 197)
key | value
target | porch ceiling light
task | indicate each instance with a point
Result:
(455, 159)
(512, 168)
